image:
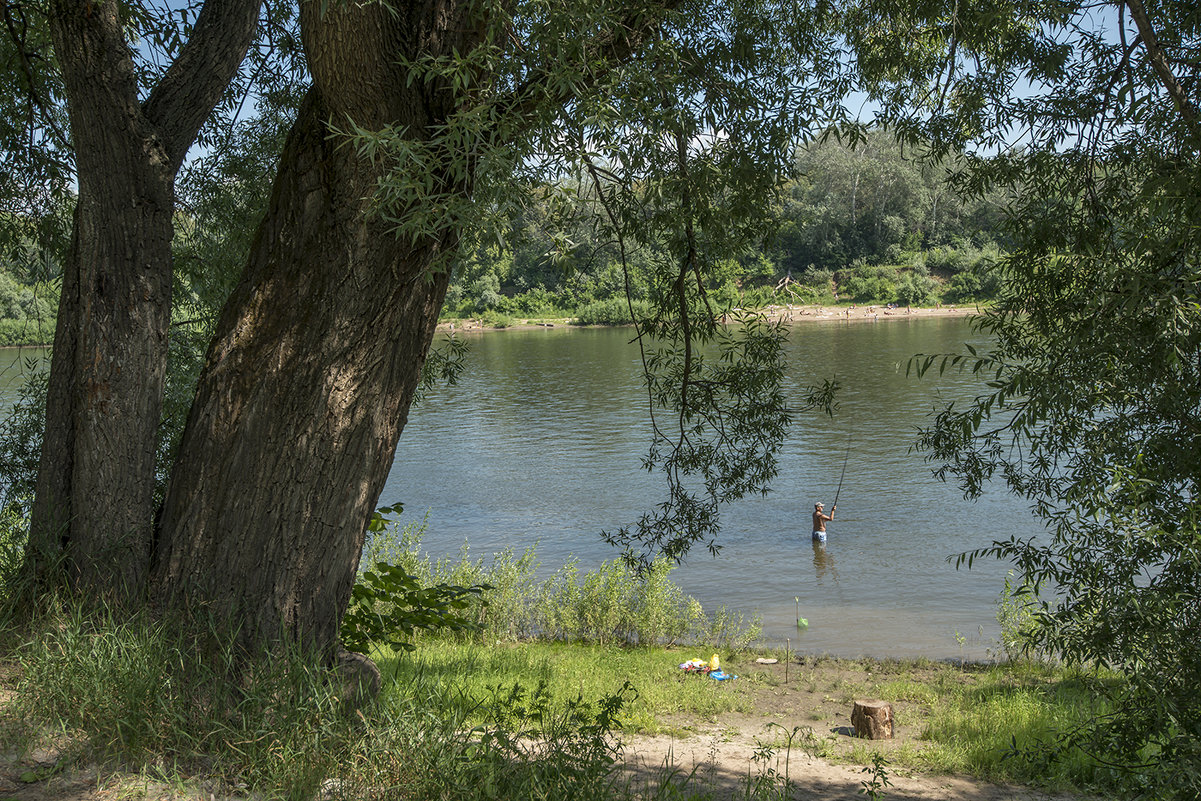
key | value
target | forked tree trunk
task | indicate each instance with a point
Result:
(308, 382)
(93, 508)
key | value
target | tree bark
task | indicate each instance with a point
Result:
(308, 382)
(93, 501)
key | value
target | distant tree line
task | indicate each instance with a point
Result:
(28, 293)
(862, 222)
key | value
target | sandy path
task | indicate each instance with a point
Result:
(724, 761)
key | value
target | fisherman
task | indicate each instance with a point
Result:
(819, 521)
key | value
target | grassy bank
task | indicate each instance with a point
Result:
(508, 720)
(172, 706)
(565, 673)
(960, 719)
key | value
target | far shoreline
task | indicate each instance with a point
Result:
(808, 313)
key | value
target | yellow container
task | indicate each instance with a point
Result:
(713, 663)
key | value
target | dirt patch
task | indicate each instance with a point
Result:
(725, 759)
(800, 729)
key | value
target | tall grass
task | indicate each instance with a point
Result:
(134, 692)
(611, 604)
(134, 689)
(150, 697)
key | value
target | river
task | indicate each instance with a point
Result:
(540, 443)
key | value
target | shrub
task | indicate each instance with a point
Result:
(614, 311)
(26, 332)
(1016, 613)
(916, 290)
(867, 283)
(494, 319)
(611, 604)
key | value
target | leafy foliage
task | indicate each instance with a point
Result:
(678, 153)
(719, 420)
(1091, 407)
(612, 603)
(21, 437)
(387, 604)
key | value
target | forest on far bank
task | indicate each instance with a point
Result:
(862, 223)
(29, 288)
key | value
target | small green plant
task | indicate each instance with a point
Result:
(771, 782)
(387, 605)
(877, 779)
(1016, 614)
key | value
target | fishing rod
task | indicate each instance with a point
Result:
(844, 473)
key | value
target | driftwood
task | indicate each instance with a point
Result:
(872, 719)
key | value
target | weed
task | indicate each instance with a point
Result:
(877, 779)
(612, 604)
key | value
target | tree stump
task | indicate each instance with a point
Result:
(872, 719)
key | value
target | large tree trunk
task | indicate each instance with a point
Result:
(93, 506)
(95, 485)
(308, 382)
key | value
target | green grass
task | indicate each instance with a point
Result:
(469, 678)
(967, 718)
(502, 720)
(993, 722)
(1018, 706)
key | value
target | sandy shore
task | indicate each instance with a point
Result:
(791, 314)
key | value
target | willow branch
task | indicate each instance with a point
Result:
(1159, 61)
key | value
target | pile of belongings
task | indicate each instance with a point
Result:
(712, 669)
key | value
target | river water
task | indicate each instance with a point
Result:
(541, 440)
(540, 443)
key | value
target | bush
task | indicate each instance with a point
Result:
(916, 290)
(614, 311)
(537, 301)
(611, 604)
(494, 319)
(26, 332)
(760, 296)
(14, 532)
(1016, 610)
(866, 283)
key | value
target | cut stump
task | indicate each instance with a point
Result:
(872, 719)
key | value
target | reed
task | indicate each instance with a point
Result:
(611, 604)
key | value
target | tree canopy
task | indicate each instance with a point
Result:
(1086, 117)
(419, 127)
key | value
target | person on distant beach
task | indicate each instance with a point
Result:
(819, 521)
